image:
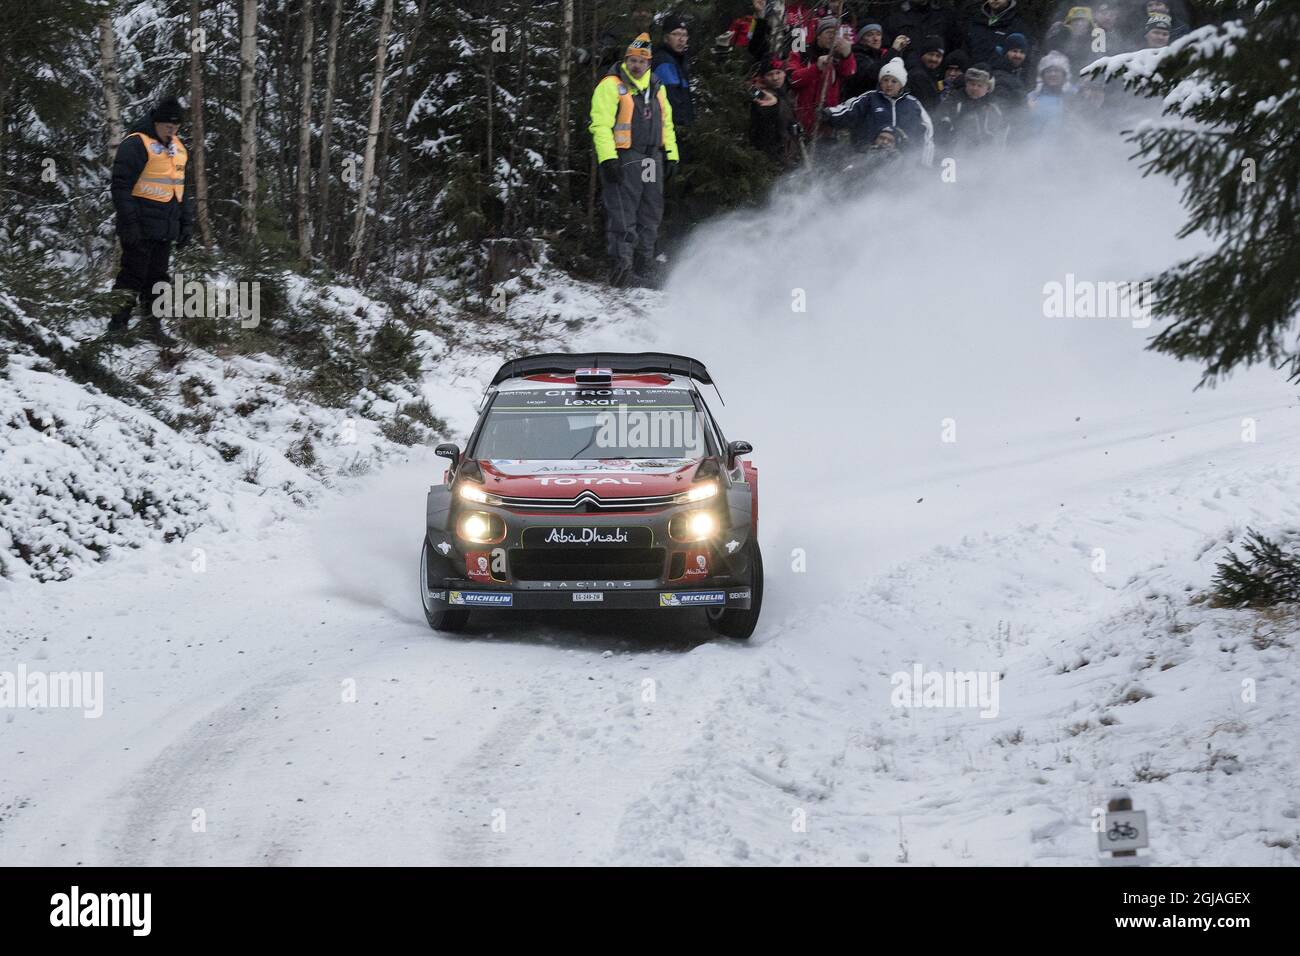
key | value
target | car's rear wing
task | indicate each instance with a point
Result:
(627, 362)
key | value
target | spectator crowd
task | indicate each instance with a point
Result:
(909, 77)
(861, 85)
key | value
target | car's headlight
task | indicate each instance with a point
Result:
(693, 525)
(471, 491)
(480, 527)
(700, 492)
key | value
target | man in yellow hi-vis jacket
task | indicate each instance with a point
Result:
(632, 129)
(153, 211)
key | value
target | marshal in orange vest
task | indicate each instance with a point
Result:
(163, 177)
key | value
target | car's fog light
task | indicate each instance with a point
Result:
(693, 526)
(481, 528)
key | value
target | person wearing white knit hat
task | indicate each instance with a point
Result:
(889, 105)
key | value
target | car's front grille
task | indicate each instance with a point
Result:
(575, 564)
(587, 502)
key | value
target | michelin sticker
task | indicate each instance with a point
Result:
(482, 598)
(691, 598)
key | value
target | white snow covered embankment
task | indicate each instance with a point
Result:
(212, 436)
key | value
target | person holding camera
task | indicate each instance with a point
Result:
(773, 129)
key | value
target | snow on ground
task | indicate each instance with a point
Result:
(290, 699)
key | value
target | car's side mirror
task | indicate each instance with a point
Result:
(737, 449)
(448, 450)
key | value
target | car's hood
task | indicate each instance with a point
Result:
(607, 477)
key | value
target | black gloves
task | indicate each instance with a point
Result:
(671, 170)
(609, 172)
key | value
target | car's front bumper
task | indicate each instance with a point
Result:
(564, 598)
(522, 576)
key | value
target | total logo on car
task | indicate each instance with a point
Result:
(598, 481)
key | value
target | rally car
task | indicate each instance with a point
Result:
(597, 481)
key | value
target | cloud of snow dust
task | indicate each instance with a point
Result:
(884, 345)
(369, 541)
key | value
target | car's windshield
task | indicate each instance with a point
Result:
(588, 423)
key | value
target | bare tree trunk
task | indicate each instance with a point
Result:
(198, 150)
(516, 208)
(304, 138)
(562, 113)
(108, 69)
(372, 139)
(489, 78)
(326, 123)
(278, 51)
(399, 102)
(248, 122)
(591, 162)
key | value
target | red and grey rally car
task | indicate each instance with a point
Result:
(595, 481)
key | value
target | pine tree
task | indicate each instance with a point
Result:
(1231, 138)
(1267, 576)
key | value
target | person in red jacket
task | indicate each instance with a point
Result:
(741, 30)
(825, 66)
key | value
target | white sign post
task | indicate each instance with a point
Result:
(1124, 832)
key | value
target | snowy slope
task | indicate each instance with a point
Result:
(590, 739)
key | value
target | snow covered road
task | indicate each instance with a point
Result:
(597, 740)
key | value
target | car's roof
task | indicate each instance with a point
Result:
(618, 380)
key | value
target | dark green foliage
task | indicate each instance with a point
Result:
(391, 356)
(422, 412)
(1267, 575)
(335, 381)
(302, 452)
(1235, 150)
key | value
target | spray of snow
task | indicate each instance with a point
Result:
(926, 320)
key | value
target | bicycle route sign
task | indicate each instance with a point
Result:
(1124, 830)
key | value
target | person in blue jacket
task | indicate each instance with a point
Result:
(672, 69)
(887, 106)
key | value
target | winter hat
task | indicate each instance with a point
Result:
(900, 136)
(867, 29)
(956, 60)
(674, 21)
(895, 69)
(1079, 13)
(770, 63)
(166, 111)
(1054, 59)
(979, 73)
(640, 47)
(827, 23)
(1158, 21)
(932, 44)
(1015, 41)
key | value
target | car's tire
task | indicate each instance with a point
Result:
(445, 619)
(738, 622)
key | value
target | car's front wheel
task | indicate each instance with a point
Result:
(740, 622)
(439, 616)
